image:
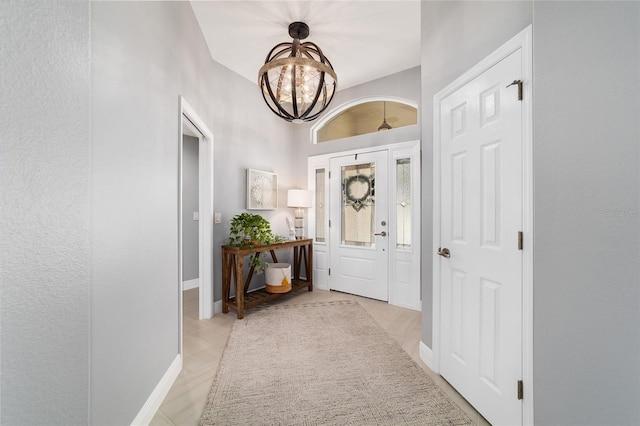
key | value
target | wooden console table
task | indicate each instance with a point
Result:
(233, 266)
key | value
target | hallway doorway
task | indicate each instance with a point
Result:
(195, 227)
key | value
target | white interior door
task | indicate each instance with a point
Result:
(359, 229)
(481, 216)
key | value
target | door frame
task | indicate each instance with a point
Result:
(189, 117)
(409, 148)
(523, 41)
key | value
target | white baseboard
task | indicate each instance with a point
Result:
(154, 401)
(189, 284)
(413, 307)
(217, 307)
(426, 355)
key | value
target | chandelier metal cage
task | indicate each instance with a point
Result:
(297, 81)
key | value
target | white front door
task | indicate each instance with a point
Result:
(481, 210)
(359, 229)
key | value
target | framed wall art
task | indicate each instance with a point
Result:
(262, 190)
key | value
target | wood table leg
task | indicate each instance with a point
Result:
(252, 270)
(296, 263)
(239, 286)
(309, 266)
(302, 260)
(226, 281)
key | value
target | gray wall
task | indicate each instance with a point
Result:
(586, 259)
(144, 55)
(586, 188)
(190, 204)
(44, 212)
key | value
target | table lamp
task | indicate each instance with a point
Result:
(299, 199)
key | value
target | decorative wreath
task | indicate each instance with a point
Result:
(357, 195)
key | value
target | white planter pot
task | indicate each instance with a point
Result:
(278, 277)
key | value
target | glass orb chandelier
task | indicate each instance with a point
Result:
(297, 81)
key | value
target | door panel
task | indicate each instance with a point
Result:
(359, 240)
(481, 215)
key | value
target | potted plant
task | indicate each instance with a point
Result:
(249, 230)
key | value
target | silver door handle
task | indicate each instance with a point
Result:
(382, 234)
(444, 252)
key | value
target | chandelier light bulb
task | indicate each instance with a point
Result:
(297, 81)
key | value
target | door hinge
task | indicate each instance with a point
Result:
(520, 240)
(329, 175)
(520, 389)
(329, 271)
(329, 224)
(519, 83)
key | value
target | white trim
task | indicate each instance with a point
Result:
(313, 164)
(397, 292)
(150, 407)
(426, 354)
(217, 307)
(523, 41)
(191, 284)
(320, 277)
(527, 227)
(189, 117)
(339, 109)
(318, 159)
(323, 161)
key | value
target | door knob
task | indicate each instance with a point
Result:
(382, 234)
(444, 252)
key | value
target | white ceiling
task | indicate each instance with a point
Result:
(364, 40)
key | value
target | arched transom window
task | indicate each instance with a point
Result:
(367, 116)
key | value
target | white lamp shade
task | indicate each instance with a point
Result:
(299, 198)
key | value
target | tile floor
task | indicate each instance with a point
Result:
(204, 342)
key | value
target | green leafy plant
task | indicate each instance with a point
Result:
(249, 230)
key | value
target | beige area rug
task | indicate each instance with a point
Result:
(321, 364)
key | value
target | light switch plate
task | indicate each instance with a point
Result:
(196, 216)
(217, 218)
